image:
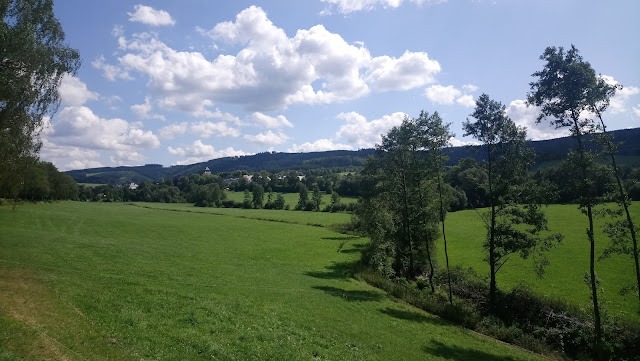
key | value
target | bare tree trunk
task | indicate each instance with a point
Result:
(426, 243)
(444, 237)
(492, 244)
(591, 237)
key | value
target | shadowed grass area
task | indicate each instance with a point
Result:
(115, 281)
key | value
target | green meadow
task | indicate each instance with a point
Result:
(94, 281)
(563, 278)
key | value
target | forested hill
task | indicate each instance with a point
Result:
(546, 150)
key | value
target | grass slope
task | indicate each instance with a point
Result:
(115, 281)
(569, 261)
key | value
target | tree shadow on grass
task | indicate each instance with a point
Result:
(353, 295)
(356, 248)
(337, 271)
(413, 316)
(459, 353)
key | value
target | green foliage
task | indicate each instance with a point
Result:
(34, 58)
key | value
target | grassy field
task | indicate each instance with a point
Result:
(93, 281)
(569, 261)
(291, 198)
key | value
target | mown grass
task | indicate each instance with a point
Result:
(564, 277)
(115, 281)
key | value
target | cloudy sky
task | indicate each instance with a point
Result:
(178, 82)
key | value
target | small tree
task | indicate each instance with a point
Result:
(316, 198)
(258, 196)
(508, 159)
(303, 191)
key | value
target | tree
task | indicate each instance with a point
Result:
(508, 159)
(435, 135)
(304, 196)
(316, 198)
(33, 60)
(258, 196)
(565, 88)
(621, 230)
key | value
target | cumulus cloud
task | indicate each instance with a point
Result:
(271, 122)
(208, 129)
(74, 92)
(150, 16)
(66, 157)
(199, 152)
(636, 111)
(78, 126)
(618, 101)
(461, 143)
(268, 138)
(409, 71)
(526, 116)
(349, 6)
(270, 71)
(126, 158)
(173, 130)
(363, 133)
(449, 95)
(111, 72)
(143, 111)
(320, 145)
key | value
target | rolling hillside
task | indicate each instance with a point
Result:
(547, 151)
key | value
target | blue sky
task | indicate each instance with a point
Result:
(173, 82)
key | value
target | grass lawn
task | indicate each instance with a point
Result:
(569, 261)
(100, 281)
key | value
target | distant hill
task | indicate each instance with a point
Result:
(547, 151)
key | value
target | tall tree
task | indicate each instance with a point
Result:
(564, 90)
(33, 60)
(621, 230)
(435, 135)
(508, 158)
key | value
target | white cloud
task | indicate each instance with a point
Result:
(74, 92)
(270, 122)
(349, 6)
(270, 71)
(268, 138)
(122, 157)
(637, 111)
(320, 145)
(442, 94)
(173, 130)
(364, 134)
(199, 152)
(470, 88)
(150, 16)
(143, 111)
(460, 143)
(66, 157)
(409, 71)
(526, 116)
(618, 101)
(78, 126)
(117, 31)
(111, 72)
(466, 101)
(208, 129)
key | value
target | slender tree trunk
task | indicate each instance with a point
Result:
(444, 236)
(591, 237)
(426, 243)
(407, 227)
(492, 244)
(623, 201)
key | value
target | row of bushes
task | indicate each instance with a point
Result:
(538, 324)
